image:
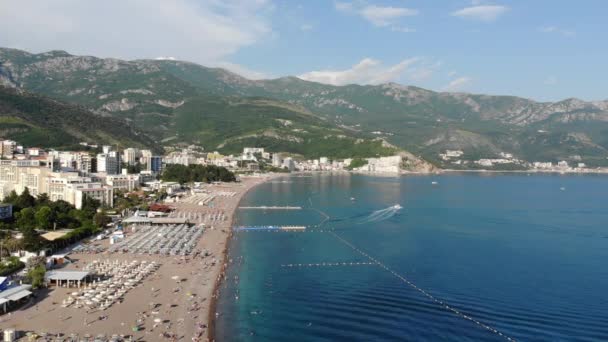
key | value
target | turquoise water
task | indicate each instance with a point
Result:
(484, 255)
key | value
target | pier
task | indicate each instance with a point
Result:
(264, 207)
(270, 228)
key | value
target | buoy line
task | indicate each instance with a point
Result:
(428, 295)
(331, 264)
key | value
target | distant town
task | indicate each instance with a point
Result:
(508, 161)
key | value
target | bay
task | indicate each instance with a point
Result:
(453, 257)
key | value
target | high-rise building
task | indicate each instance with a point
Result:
(155, 164)
(109, 163)
(8, 148)
(289, 164)
(131, 156)
(277, 161)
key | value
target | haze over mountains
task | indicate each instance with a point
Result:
(174, 101)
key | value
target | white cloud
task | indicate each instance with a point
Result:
(487, 13)
(555, 29)
(385, 16)
(423, 71)
(380, 16)
(367, 71)
(551, 81)
(458, 84)
(206, 32)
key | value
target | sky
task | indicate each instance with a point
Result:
(541, 49)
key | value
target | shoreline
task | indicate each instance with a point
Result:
(211, 319)
(178, 300)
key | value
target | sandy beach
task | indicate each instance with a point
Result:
(176, 302)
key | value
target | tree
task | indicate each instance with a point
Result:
(35, 276)
(197, 173)
(45, 218)
(11, 198)
(43, 199)
(90, 206)
(31, 240)
(25, 200)
(26, 219)
(101, 220)
(12, 245)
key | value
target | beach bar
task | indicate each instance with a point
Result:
(14, 294)
(67, 278)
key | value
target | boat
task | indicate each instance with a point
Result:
(352, 199)
(434, 183)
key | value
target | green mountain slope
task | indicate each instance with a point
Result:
(229, 123)
(163, 97)
(35, 120)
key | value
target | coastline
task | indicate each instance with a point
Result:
(221, 276)
(178, 300)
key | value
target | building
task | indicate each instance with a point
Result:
(109, 163)
(16, 175)
(6, 211)
(20, 174)
(123, 182)
(77, 192)
(8, 148)
(131, 156)
(289, 164)
(383, 164)
(155, 164)
(84, 162)
(277, 161)
(252, 150)
(12, 295)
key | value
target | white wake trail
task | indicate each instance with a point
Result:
(382, 214)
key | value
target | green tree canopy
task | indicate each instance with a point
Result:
(26, 219)
(45, 217)
(197, 173)
(25, 200)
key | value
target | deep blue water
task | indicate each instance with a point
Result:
(525, 255)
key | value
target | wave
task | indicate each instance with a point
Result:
(382, 214)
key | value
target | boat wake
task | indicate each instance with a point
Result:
(382, 214)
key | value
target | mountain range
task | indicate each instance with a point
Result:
(181, 102)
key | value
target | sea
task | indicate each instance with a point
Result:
(452, 257)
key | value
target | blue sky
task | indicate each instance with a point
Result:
(541, 49)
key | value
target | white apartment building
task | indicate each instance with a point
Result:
(7, 148)
(109, 163)
(383, 164)
(76, 193)
(277, 161)
(67, 186)
(123, 182)
(20, 174)
(131, 155)
(252, 150)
